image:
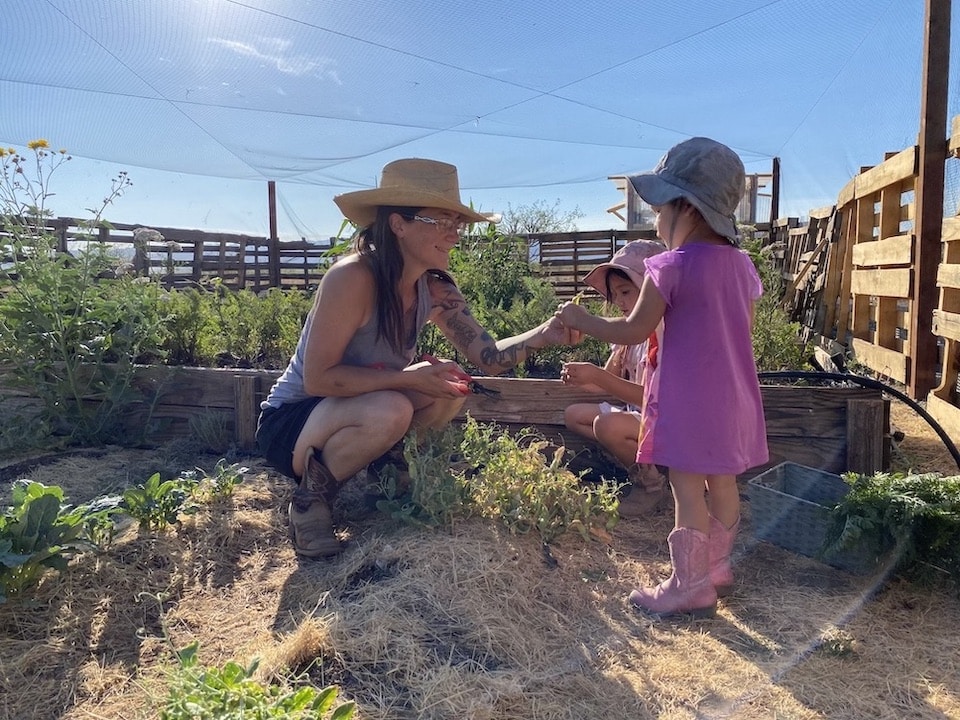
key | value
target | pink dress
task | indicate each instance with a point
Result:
(704, 413)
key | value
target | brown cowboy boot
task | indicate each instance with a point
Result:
(311, 523)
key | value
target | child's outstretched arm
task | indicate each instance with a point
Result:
(630, 330)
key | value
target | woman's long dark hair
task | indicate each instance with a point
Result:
(377, 246)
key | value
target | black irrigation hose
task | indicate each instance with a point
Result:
(869, 383)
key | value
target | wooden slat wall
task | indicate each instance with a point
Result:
(563, 259)
(186, 257)
(880, 202)
(943, 402)
(849, 271)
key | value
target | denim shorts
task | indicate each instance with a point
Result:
(278, 430)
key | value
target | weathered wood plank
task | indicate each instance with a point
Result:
(946, 414)
(867, 424)
(889, 363)
(946, 324)
(897, 250)
(887, 283)
(808, 425)
(899, 167)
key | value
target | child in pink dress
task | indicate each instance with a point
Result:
(710, 425)
(625, 376)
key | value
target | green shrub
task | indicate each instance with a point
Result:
(39, 532)
(232, 693)
(918, 516)
(190, 327)
(777, 344)
(70, 328)
(478, 469)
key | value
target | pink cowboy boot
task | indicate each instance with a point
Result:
(721, 545)
(688, 591)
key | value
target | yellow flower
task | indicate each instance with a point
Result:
(38, 144)
(3, 151)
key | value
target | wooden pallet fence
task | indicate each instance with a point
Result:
(943, 402)
(833, 429)
(881, 249)
(182, 257)
(563, 259)
(808, 258)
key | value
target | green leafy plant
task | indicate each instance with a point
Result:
(71, 327)
(158, 503)
(480, 469)
(231, 693)
(436, 493)
(527, 488)
(190, 327)
(218, 484)
(917, 516)
(39, 532)
(777, 344)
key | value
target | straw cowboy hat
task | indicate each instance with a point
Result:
(411, 182)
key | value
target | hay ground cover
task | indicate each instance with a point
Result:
(468, 623)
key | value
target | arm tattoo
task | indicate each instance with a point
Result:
(463, 333)
(504, 359)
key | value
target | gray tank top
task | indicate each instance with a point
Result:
(365, 349)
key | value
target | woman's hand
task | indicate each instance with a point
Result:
(439, 378)
(554, 332)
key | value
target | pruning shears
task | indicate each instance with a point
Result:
(478, 389)
(475, 387)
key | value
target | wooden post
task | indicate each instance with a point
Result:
(274, 239)
(929, 197)
(866, 430)
(775, 191)
(245, 410)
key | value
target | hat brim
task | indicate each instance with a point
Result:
(360, 207)
(654, 190)
(597, 278)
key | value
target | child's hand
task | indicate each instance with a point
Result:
(571, 315)
(578, 373)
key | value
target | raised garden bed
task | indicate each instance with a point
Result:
(829, 428)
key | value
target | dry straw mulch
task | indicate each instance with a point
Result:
(473, 623)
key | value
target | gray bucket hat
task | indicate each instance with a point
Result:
(708, 174)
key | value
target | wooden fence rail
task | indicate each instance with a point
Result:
(182, 257)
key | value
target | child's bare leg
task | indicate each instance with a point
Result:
(724, 498)
(690, 502)
(579, 418)
(618, 432)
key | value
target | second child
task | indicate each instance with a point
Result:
(627, 376)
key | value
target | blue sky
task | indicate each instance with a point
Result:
(203, 101)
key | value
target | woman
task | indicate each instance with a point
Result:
(351, 390)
